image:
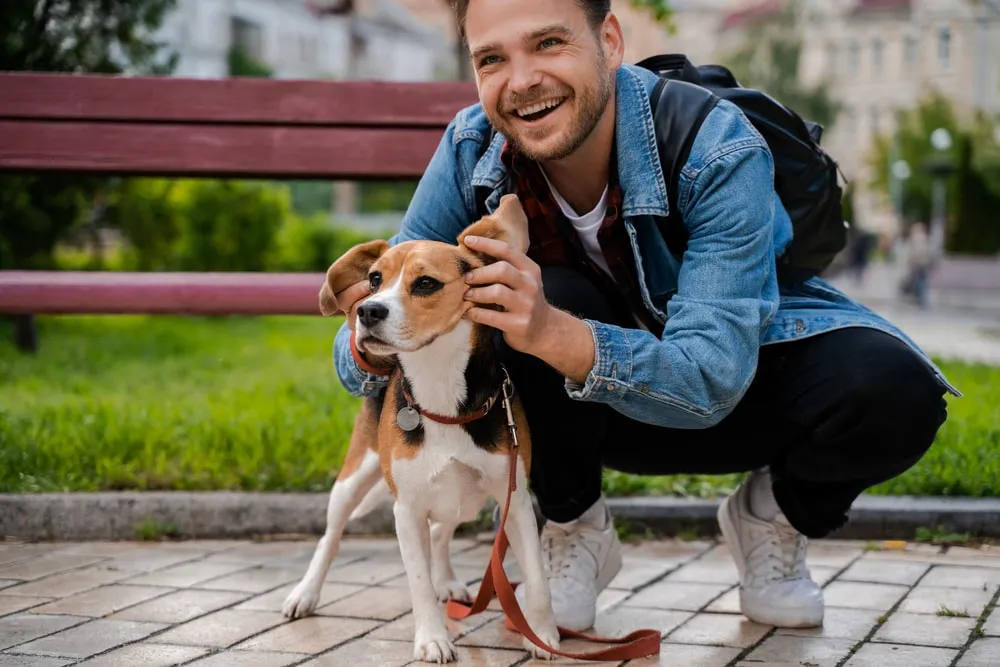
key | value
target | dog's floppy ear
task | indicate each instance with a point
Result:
(508, 223)
(352, 267)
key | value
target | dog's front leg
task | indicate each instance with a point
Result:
(522, 533)
(445, 583)
(431, 642)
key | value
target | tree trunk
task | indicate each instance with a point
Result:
(25, 333)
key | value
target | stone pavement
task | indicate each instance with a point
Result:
(216, 604)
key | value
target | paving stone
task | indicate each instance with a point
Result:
(727, 604)
(180, 606)
(368, 653)
(895, 655)
(68, 583)
(14, 603)
(41, 566)
(839, 623)
(570, 645)
(186, 574)
(837, 555)
(982, 653)
(681, 596)
(984, 556)
(32, 661)
(137, 561)
(85, 640)
(926, 630)
(273, 600)
(260, 553)
(863, 596)
(376, 602)
(222, 628)
(978, 578)
(619, 621)
(674, 655)
(884, 572)
(931, 599)
(673, 552)
(402, 628)
(25, 627)
(254, 580)
(370, 572)
(791, 651)
(992, 625)
(7, 583)
(611, 597)
(248, 659)
(491, 635)
(719, 630)
(102, 601)
(312, 634)
(714, 571)
(147, 655)
(638, 572)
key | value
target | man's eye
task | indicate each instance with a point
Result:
(549, 41)
(375, 281)
(426, 285)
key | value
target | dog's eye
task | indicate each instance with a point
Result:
(375, 281)
(426, 285)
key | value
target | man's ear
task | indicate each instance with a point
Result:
(351, 268)
(508, 223)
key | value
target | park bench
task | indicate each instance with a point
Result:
(222, 128)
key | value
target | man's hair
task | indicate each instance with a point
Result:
(596, 11)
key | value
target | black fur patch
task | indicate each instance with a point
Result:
(483, 377)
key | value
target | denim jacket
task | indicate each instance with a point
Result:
(718, 305)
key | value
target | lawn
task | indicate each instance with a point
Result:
(128, 402)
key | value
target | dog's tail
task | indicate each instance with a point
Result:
(375, 497)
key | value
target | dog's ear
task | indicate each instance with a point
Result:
(508, 223)
(351, 268)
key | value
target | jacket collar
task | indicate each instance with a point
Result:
(639, 172)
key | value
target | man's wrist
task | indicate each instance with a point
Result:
(568, 346)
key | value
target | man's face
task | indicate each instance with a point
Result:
(544, 77)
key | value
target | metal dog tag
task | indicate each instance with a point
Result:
(408, 418)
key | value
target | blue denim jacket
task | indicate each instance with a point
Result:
(718, 306)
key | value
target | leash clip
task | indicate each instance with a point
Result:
(508, 392)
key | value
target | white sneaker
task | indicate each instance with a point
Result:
(776, 587)
(581, 558)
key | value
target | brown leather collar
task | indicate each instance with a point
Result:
(483, 410)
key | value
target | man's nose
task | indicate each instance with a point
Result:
(523, 76)
(371, 314)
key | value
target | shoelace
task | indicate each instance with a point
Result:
(562, 548)
(777, 552)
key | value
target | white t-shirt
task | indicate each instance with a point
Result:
(586, 225)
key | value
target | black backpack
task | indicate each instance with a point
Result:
(805, 176)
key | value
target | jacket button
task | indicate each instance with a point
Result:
(611, 387)
(799, 326)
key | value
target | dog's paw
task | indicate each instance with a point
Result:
(549, 637)
(452, 590)
(434, 648)
(300, 602)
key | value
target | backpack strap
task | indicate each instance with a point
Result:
(679, 108)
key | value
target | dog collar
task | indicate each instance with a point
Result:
(364, 365)
(408, 418)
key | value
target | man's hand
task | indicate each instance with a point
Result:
(529, 323)
(350, 298)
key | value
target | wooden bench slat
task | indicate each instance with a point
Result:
(232, 101)
(217, 151)
(86, 292)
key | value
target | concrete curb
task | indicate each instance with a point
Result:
(208, 515)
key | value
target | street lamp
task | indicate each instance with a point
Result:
(939, 167)
(901, 172)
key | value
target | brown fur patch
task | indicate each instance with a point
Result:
(351, 268)
(364, 437)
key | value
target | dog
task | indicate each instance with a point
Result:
(445, 369)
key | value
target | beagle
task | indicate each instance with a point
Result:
(438, 436)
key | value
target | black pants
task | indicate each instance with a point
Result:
(831, 415)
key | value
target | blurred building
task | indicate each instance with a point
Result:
(884, 55)
(305, 39)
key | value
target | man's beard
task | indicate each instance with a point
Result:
(591, 102)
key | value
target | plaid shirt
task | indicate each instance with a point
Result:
(554, 242)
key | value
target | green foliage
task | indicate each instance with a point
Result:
(768, 60)
(242, 64)
(103, 36)
(312, 243)
(973, 187)
(158, 402)
(660, 11)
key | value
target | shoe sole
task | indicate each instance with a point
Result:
(732, 536)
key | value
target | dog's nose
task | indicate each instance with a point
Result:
(371, 314)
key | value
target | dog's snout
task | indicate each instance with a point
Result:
(371, 314)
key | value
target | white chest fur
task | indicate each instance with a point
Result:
(450, 477)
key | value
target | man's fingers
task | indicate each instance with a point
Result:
(491, 318)
(498, 272)
(500, 295)
(347, 297)
(499, 250)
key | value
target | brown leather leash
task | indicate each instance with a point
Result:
(637, 644)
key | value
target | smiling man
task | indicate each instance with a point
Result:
(631, 358)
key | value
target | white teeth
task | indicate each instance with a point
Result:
(540, 106)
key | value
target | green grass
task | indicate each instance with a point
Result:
(128, 402)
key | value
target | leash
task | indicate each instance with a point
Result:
(637, 644)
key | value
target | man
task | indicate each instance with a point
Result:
(628, 358)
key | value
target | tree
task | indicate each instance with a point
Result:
(768, 60)
(102, 36)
